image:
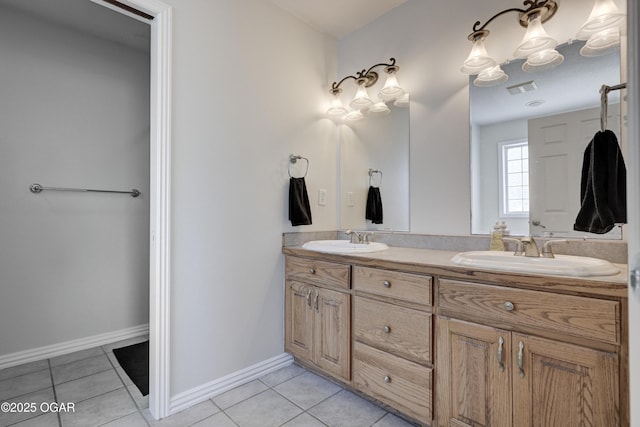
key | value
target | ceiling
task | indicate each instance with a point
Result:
(338, 18)
(87, 17)
(573, 85)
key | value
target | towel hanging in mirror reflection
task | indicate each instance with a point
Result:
(373, 210)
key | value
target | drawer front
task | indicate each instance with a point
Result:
(399, 330)
(400, 383)
(320, 273)
(572, 315)
(409, 287)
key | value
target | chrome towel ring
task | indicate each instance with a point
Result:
(293, 159)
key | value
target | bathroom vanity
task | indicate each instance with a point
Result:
(449, 345)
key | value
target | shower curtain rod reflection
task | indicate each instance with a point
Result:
(37, 188)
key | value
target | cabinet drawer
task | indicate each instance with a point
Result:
(572, 315)
(320, 273)
(399, 330)
(403, 286)
(400, 383)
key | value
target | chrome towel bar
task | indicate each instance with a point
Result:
(604, 102)
(37, 188)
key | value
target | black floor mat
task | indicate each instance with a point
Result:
(134, 359)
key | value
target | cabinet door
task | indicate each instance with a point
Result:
(299, 316)
(332, 332)
(473, 374)
(564, 385)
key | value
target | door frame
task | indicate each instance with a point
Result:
(160, 198)
(633, 202)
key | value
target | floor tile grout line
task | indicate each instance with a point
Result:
(124, 416)
(55, 394)
(314, 405)
(306, 411)
(85, 376)
(290, 378)
(6, 399)
(23, 374)
(125, 387)
(213, 415)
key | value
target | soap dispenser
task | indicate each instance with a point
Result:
(496, 238)
(505, 230)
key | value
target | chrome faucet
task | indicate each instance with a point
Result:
(530, 247)
(361, 238)
(355, 236)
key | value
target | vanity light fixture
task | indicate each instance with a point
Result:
(391, 91)
(602, 29)
(537, 46)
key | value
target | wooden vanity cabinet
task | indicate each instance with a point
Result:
(449, 352)
(318, 315)
(392, 339)
(506, 376)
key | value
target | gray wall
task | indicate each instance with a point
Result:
(74, 112)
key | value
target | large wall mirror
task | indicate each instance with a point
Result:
(540, 124)
(379, 144)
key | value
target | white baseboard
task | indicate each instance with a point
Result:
(49, 351)
(206, 391)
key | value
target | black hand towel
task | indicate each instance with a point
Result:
(374, 205)
(299, 209)
(603, 189)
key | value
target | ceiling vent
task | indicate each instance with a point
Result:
(529, 86)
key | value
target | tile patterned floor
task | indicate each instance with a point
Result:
(104, 396)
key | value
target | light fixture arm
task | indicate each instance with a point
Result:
(547, 8)
(335, 87)
(368, 77)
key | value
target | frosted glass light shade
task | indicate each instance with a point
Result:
(354, 116)
(535, 39)
(336, 109)
(361, 100)
(478, 59)
(391, 88)
(543, 60)
(602, 43)
(491, 77)
(402, 101)
(604, 15)
(379, 109)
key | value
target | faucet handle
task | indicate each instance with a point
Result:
(364, 237)
(547, 252)
(518, 243)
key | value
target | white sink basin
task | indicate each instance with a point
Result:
(343, 247)
(566, 265)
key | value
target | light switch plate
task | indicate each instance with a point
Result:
(322, 197)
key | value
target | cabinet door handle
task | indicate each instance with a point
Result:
(309, 298)
(509, 306)
(387, 379)
(315, 302)
(500, 346)
(386, 284)
(386, 329)
(520, 348)
(312, 270)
